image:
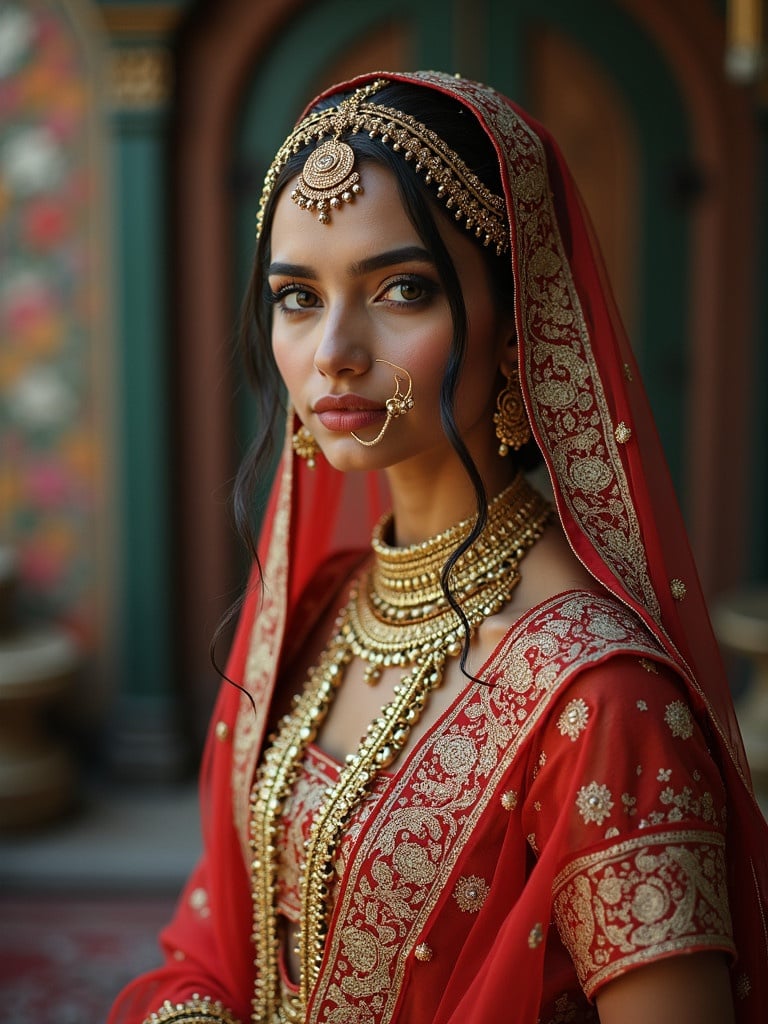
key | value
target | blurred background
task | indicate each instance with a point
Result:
(134, 138)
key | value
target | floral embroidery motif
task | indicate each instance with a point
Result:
(423, 952)
(648, 665)
(470, 893)
(664, 775)
(629, 804)
(567, 1011)
(622, 433)
(573, 720)
(198, 900)
(679, 719)
(678, 589)
(641, 899)
(426, 805)
(594, 803)
(743, 986)
(535, 936)
(641, 705)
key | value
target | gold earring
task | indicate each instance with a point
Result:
(512, 427)
(305, 445)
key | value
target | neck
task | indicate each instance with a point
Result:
(425, 504)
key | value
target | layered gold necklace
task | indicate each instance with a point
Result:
(397, 615)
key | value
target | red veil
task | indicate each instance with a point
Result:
(592, 422)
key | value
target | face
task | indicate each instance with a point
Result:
(361, 293)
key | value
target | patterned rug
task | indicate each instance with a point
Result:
(62, 961)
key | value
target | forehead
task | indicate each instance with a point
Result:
(376, 217)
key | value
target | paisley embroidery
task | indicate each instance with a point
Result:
(641, 898)
(571, 410)
(404, 859)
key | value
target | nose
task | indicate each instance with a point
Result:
(343, 348)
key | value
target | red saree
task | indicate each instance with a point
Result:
(579, 787)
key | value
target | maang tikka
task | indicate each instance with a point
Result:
(512, 427)
(328, 178)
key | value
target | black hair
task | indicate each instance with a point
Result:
(461, 131)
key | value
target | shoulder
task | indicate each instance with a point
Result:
(571, 632)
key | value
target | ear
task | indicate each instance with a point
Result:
(509, 355)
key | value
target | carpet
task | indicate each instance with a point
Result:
(62, 960)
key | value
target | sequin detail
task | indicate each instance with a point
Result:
(573, 720)
(470, 893)
(594, 803)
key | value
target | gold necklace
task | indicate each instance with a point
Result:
(396, 615)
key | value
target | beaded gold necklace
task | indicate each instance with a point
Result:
(396, 615)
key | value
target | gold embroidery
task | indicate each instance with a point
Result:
(261, 662)
(641, 705)
(648, 666)
(679, 589)
(594, 803)
(423, 952)
(573, 720)
(664, 775)
(471, 893)
(628, 373)
(428, 806)
(222, 731)
(641, 899)
(198, 900)
(193, 1011)
(743, 986)
(535, 936)
(622, 433)
(679, 719)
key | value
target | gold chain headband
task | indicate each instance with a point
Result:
(329, 178)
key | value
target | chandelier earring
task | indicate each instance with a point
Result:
(305, 445)
(512, 427)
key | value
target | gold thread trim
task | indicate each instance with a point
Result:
(196, 1010)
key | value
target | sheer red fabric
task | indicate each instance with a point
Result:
(591, 420)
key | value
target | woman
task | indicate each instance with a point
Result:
(549, 816)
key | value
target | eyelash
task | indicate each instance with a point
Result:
(428, 288)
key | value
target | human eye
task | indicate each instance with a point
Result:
(293, 298)
(408, 290)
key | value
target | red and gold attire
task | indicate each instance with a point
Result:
(588, 810)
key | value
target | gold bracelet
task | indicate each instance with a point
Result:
(193, 1011)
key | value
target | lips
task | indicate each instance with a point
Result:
(345, 413)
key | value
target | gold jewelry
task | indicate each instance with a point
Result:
(398, 405)
(305, 445)
(328, 178)
(512, 427)
(393, 617)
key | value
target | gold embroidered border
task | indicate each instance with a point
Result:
(193, 1011)
(263, 654)
(571, 410)
(394, 879)
(641, 899)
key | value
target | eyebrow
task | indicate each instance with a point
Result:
(393, 257)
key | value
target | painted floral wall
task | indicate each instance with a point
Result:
(53, 366)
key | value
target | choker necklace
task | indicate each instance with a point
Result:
(399, 612)
(396, 615)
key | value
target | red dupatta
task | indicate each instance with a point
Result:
(614, 498)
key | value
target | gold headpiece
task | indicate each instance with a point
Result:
(329, 178)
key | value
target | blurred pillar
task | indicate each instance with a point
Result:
(146, 740)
